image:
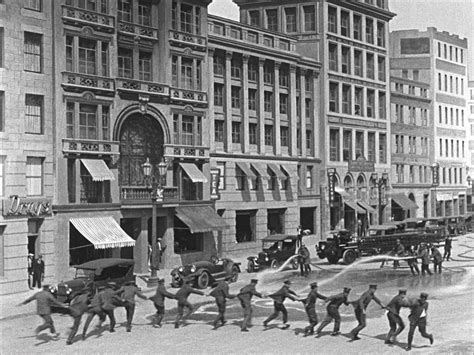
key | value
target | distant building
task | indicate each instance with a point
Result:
(470, 153)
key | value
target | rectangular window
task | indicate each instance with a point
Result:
(144, 12)
(358, 65)
(333, 65)
(309, 18)
(252, 99)
(333, 97)
(219, 131)
(125, 63)
(32, 52)
(268, 72)
(88, 121)
(290, 19)
(284, 136)
(308, 108)
(309, 177)
(253, 71)
(345, 24)
(284, 77)
(268, 135)
(144, 66)
(235, 68)
(254, 18)
(380, 34)
(2, 176)
(346, 60)
(334, 144)
(309, 140)
(346, 99)
(34, 176)
(382, 103)
(358, 101)
(235, 33)
(219, 65)
(412, 115)
(332, 20)
(370, 103)
(35, 5)
(105, 122)
(235, 96)
(124, 10)
(253, 133)
(272, 19)
(382, 148)
(218, 95)
(359, 145)
(412, 174)
(268, 101)
(284, 104)
(370, 66)
(236, 132)
(357, 27)
(371, 146)
(347, 145)
(369, 30)
(34, 114)
(87, 56)
(381, 68)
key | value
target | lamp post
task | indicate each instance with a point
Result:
(156, 189)
(381, 185)
(435, 183)
(469, 183)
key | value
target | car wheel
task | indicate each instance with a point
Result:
(332, 255)
(234, 273)
(250, 266)
(274, 264)
(295, 263)
(203, 280)
(349, 256)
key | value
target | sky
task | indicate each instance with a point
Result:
(454, 16)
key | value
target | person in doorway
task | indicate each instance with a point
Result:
(310, 308)
(245, 296)
(38, 271)
(278, 303)
(360, 309)
(334, 302)
(393, 315)
(417, 318)
(437, 259)
(30, 270)
(447, 248)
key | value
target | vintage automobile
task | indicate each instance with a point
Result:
(339, 244)
(276, 250)
(93, 274)
(206, 273)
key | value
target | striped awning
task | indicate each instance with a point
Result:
(245, 167)
(261, 169)
(365, 205)
(403, 201)
(277, 171)
(193, 172)
(200, 219)
(353, 204)
(103, 232)
(98, 169)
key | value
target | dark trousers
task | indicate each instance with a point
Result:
(160, 313)
(48, 324)
(111, 315)
(437, 267)
(37, 279)
(425, 268)
(312, 318)
(333, 313)
(130, 309)
(394, 320)
(277, 308)
(447, 253)
(181, 306)
(302, 269)
(421, 324)
(414, 268)
(361, 318)
(89, 318)
(221, 303)
(247, 314)
(74, 328)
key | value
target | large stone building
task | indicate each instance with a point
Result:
(440, 60)
(470, 153)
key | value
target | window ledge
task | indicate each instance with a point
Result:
(32, 13)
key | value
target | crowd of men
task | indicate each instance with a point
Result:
(103, 303)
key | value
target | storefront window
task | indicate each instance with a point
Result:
(184, 240)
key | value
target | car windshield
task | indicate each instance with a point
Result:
(271, 245)
(84, 273)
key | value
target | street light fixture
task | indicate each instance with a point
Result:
(156, 189)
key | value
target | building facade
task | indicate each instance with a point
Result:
(470, 153)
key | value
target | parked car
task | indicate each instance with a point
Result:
(206, 273)
(276, 250)
(340, 244)
(93, 274)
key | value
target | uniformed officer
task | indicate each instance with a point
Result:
(310, 307)
(360, 307)
(109, 301)
(95, 308)
(417, 318)
(159, 301)
(221, 293)
(393, 316)
(245, 297)
(44, 301)
(127, 293)
(79, 306)
(278, 303)
(334, 302)
(182, 297)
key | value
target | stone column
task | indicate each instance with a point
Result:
(276, 110)
(228, 104)
(210, 112)
(303, 117)
(293, 113)
(245, 106)
(261, 108)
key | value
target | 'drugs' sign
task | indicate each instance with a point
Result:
(28, 207)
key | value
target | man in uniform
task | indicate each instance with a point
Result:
(79, 305)
(417, 318)
(109, 300)
(38, 271)
(393, 316)
(278, 303)
(245, 297)
(425, 259)
(159, 301)
(310, 307)
(447, 248)
(334, 302)
(95, 308)
(221, 293)
(182, 297)
(44, 301)
(360, 307)
(128, 292)
(437, 259)
(30, 270)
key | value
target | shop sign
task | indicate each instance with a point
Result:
(18, 206)
(215, 177)
(331, 185)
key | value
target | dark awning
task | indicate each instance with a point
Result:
(200, 219)
(366, 206)
(403, 201)
(276, 170)
(261, 169)
(193, 172)
(245, 167)
(352, 204)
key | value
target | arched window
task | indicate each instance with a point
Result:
(348, 183)
(373, 188)
(361, 187)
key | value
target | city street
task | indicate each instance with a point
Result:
(450, 316)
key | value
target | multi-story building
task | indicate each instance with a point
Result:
(439, 59)
(470, 152)
(351, 40)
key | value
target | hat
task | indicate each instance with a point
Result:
(313, 284)
(402, 291)
(31, 254)
(347, 289)
(254, 280)
(111, 284)
(423, 295)
(372, 286)
(287, 282)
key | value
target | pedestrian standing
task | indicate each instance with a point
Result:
(334, 302)
(424, 254)
(95, 308)
(417, 318)
(278, 303)
(221, 293)
(310, 308)
(44, 300)
(245, 296)
(127, 293)
(38, 271)
(79, 305)
(307, 261)
(437, 259)
(182, 297)
(303, 257)
(393, 315)
(159, 301)
(413, 262)
(109, 301)
(360, 308)
(30, 270)
(447, 248)
(398, 250)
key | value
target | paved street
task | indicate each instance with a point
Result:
(449, 317)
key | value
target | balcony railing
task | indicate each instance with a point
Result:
(184, 39)
(132, 29)
(80, 17)
(89, 146)
(185, 151)
(132, 86)
(78, 82)
(140, 194)
(196, 98)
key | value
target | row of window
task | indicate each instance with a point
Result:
(416, 145)
(453, 53)
(410, 115)
(452, 116)
(453, 148)
(416, 174)
(356, 100)
(356, 26)
(456, 84)
(293, 19)
(34, 176)
(411, 90)
(356, 144)
(353, 61)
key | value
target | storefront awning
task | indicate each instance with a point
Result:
(200, 219)
(404, 202)
(103, 232)
(286, 170)
(365, 205)
(352, 204)
(444, 196)
(344, 194)
(276, 170)
(193, 172)
(245, 167)
(98, 169)
(261, 170)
